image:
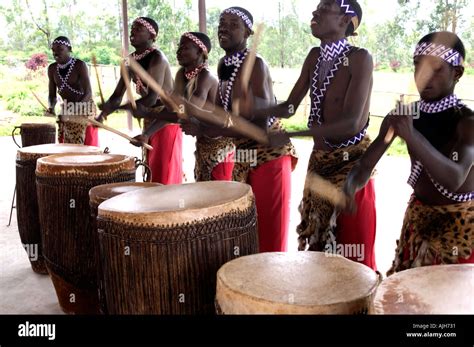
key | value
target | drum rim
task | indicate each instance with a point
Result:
(25, 153)
(37, 125)
(44, 166)
(357, 299)
(96, 195)
(169, 217)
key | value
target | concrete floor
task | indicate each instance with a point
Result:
(24, 292)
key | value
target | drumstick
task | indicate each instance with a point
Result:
(325, 189)
(115, 131)
(145, 76)
(39, 100)
(94, 62)
(126, 80)
(389, 135)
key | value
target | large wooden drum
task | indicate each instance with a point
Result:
(161, 247)
(294, 283)
(98, 195)
(439, 289)
(69, 240)
(35, 134)
(27, 201)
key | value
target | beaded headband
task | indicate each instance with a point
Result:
(449, 55)
(197, 41)
(62, 42)
(147, 25)
(347, 8)
(240, 14)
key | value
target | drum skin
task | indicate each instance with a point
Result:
(69, 240)
(26, 199)
(437, 289)
(161, 247)
(98, 195)
(295, 283)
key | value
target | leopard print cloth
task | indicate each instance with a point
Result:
(434, 235)
(246, 148)
(72, 127)
(210, 153)
(317, 225)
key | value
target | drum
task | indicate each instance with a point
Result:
(160, 248)
(27, 201)
(69, 242)
(438, 289)
(294, 283)
(98, 195)
(35, 134)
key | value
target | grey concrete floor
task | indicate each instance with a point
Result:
(24, 292)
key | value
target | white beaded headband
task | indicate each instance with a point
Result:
(62, 42)
(347, 8)
(240, 14)
(147, 25)
(449, 55)
(197, 41)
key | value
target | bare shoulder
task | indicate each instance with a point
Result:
(360, 56)
(261, 65)
(207, 76)
(159, 58)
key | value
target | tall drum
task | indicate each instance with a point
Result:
(161, 247)
(35, 134)
(98, 195)
(295, 283)
(27, 201)
(438, 289)
(69, 240)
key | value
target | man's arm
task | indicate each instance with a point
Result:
(449, 172)
(361, 68)
(362, 170)
(52, 96)
(85, 82)
(289, 107)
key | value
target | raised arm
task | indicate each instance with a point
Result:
(289, 107)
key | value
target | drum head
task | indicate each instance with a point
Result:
(294, 283)
(84, 164)
(104, 192)
(39, 151)
(439, 289)
(178, 204)
(28, 126)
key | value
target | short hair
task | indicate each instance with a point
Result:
(358, 10)
(445, 38)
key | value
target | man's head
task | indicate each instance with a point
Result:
(194, 48)
(438, 61)
(336, 18)
(235, 27)
(144, 31)
(61, 48)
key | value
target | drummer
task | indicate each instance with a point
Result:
(439, 221)
(165, 160)
(194, 80)
(266, 169)
(69, 77)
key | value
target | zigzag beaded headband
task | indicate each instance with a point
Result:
(240, 14)
(197, 41)
(147, 25)
(62, 42)
(449, 55)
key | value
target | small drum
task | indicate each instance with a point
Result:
(69, 242)
(27, 201)
(161, 247)
(438, 289)
(33, 134)
(98, 195)
(295, 283)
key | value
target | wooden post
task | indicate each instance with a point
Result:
(202, 16)
(125, 45)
